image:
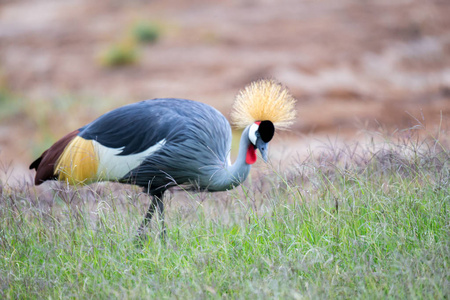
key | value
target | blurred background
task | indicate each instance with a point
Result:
(354, 65)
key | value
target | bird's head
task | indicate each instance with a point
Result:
(259, 133)
(263, 106)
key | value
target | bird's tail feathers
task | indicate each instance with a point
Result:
(45, 164)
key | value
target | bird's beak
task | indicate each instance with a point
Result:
(262, 146)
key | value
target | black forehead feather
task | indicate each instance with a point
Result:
(266, 131)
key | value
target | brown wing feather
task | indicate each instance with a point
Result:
(45, 164)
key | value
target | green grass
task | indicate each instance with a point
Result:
(345, 223)
(126, 51)
(122, 53)
(146, 31)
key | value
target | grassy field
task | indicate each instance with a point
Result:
(364, 221)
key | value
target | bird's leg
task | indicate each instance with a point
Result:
(156, 203)
(160, 206)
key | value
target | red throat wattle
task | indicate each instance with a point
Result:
(251, 152)
(251, 155)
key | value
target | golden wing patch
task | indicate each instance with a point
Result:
(78, 163)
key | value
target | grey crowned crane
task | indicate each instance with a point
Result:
(161, 143)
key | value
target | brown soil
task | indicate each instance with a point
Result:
(351, 64)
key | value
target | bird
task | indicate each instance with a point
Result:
(163, 143)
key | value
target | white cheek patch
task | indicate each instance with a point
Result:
(252, 133)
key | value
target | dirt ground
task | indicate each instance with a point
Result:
(352, 64)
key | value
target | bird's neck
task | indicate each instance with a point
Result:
(233, 175)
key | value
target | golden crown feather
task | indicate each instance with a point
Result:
(264, 100)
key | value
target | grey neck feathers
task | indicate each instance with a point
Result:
(229, 177)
